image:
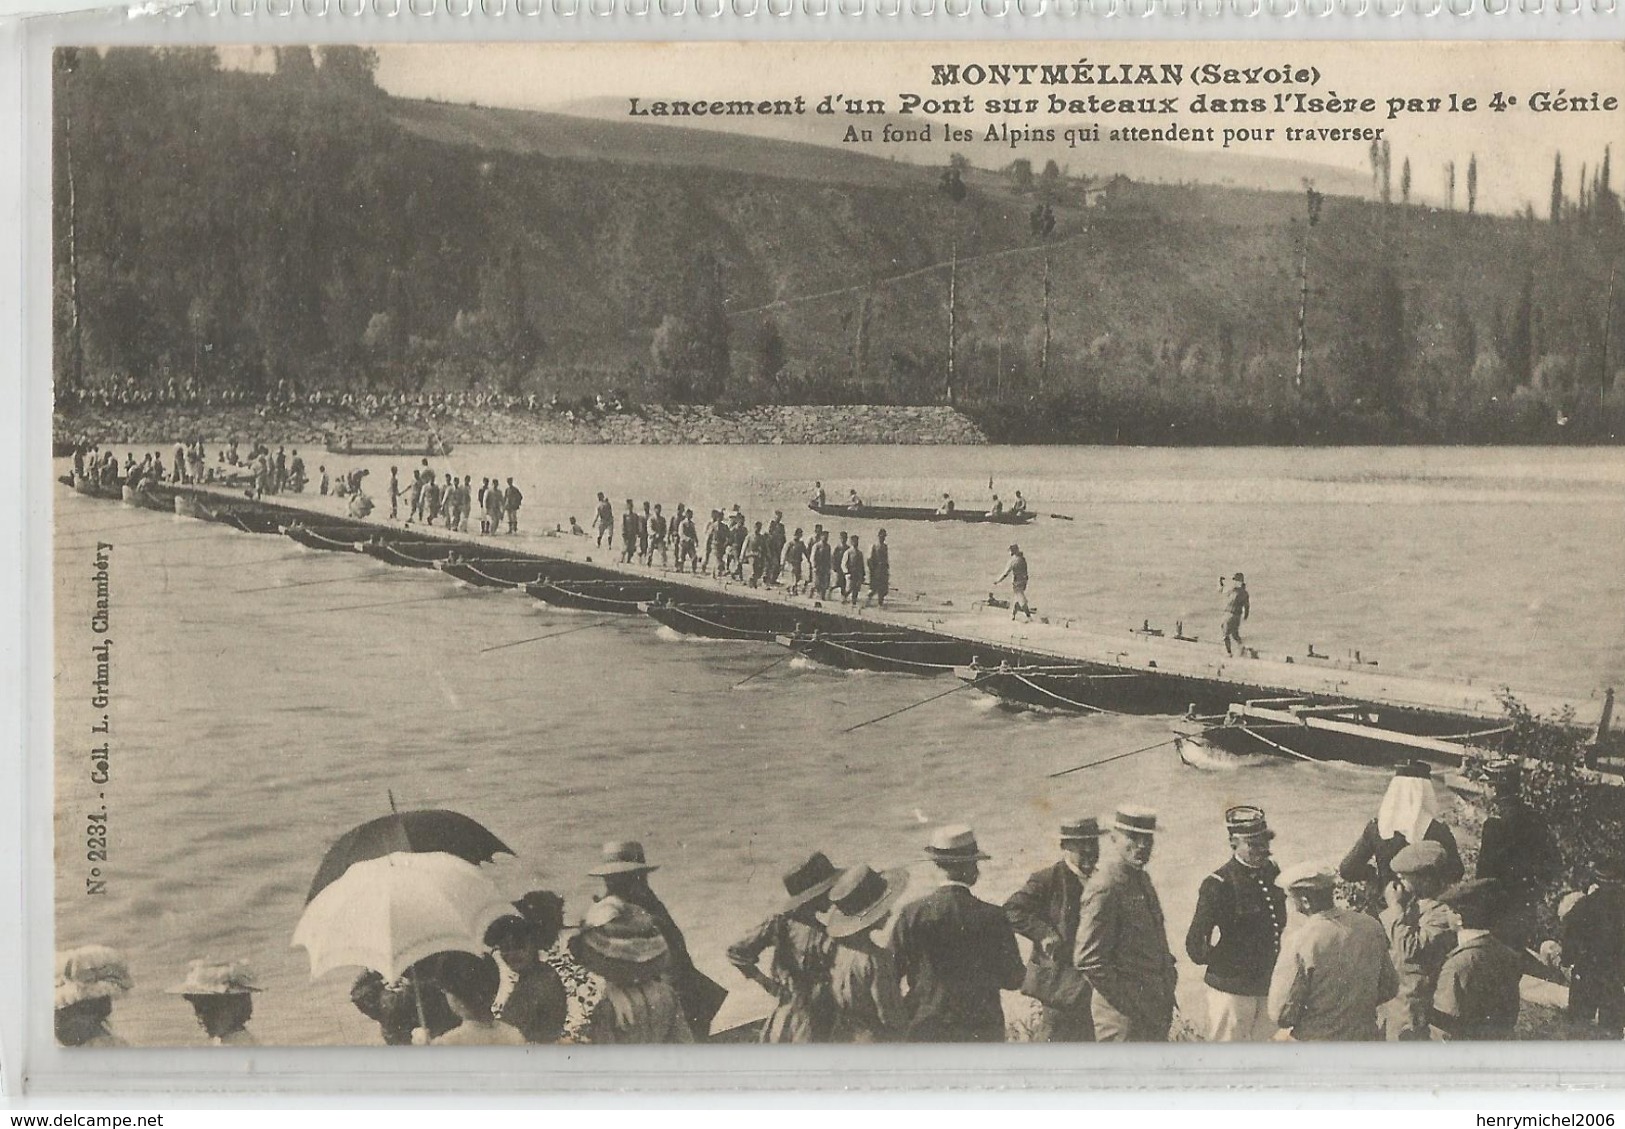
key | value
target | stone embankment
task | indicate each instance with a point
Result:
(160, 424)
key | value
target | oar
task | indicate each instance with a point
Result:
(359, 607)
(765, 669)
(302, 583)
(549, 635)
(1115, 757)
(1063, 517)
(916, 705)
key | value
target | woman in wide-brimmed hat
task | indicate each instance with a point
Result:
(88, 980)
(798, 977)
(863, 977)
(222, 997)
(622, 945)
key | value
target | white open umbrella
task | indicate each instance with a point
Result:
(389, 913)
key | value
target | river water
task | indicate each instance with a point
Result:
(266, 698)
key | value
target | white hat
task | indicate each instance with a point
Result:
(91, 972)
(954, 842)
(217, 978)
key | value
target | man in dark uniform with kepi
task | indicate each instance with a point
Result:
(1045, 911)
(1236, 932)
(955, 951)
(1516, 849)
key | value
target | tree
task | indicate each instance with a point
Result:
(1020, 172)
(769, 355)
(690, 346)
(295, 63)
(1450, 185)
(1405, 182)
(350, 67)
(1049, 181)
(1557, 190)
(1472, 184)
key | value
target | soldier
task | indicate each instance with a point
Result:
(1420, 936)
(1045, 911)
(1241, 902)
(1593, 939)
(955, 951)
(799, 975)
(1122, 944)
(1477, 992)
(1334, 972)
(1237, 607)
(1516, 849)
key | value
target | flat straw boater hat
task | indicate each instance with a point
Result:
(808, 880)
(1135, 820)
(217, 978)
(954, 842)
(1247, 821)
(91, 972)
(622, 856)
(862, 899)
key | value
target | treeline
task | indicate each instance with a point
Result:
(220, 229)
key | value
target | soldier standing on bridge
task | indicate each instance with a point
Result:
(1237, 607)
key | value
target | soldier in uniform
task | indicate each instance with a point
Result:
(1420, 936)
(1477, 993)
(1516, 849)
(1593, 939)
(1241, 903)
(1045, 911)
(955, 951)
(1122, 942)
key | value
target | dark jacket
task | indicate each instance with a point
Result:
(1248, 910)
(700, 995)
(956, 952)
(1047, 908)
(1371, 858)
(1517, 848)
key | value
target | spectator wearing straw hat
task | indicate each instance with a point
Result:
(863, 976)
(222, 999)
(1333, 972)
(88, 980)
(623, 945)
(955, 951)
(1122, 944)
(625, 872)
(798, 977)
(1477, 992)
(1045, 911)
(1236, 931)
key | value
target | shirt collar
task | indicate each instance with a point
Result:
(953, 882)
(1074, 868)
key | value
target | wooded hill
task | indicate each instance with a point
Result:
(221, 229)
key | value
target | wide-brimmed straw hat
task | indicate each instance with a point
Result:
(808, 880)
(91, 972)
(619, 940)
(1135, 820)
(622, 856)
(1248, 821)
(954, 842)
(217, 978)
(861, 899)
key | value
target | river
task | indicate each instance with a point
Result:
(266, 698)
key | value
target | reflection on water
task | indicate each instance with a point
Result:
(253, 727)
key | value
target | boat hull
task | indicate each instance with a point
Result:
(334, 541)
(494, 573)
(893, 652)
(918, 513)
(731, 620)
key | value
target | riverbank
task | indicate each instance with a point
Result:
(162, 424)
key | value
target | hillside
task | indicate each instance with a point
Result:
(1151, 163)
(235, 231)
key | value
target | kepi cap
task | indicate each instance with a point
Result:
(1244, 819)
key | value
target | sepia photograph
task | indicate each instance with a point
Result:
(925, 543)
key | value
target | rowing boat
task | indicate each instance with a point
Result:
(610, 597)
(1351, 732)
(917, 513)
(731, 619)
(494, 572)
(408, 553)
(893, 652)
(1080, 688)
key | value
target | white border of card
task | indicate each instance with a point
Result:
(33, 1064)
